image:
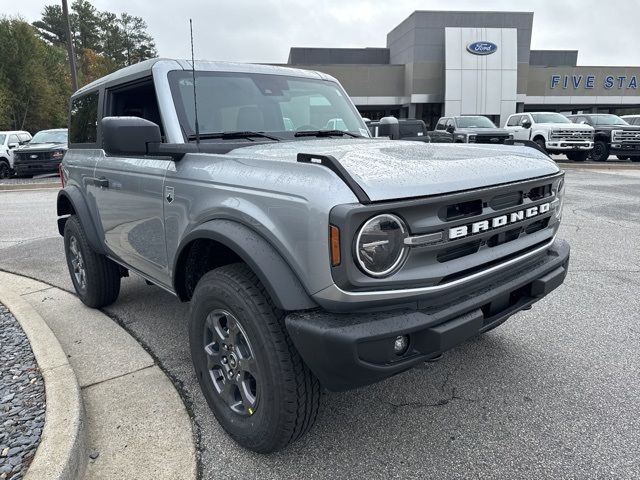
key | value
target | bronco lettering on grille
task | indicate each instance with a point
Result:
(496, 222)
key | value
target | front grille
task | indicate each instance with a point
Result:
(626, 136)
(569, 134)
(491, 139)
(497, 227)
(27, 158)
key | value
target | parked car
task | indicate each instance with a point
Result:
(631, 119)
(613, 136)
(43, 154)
(468, 129)
(399, 129)
(554, 133)
(312, 258)
(9, 142)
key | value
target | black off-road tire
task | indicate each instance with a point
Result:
(622, 157)
(5, 169)
(288, 394)
(600, 152)
(541, 143)
(578, 156)
(102, 276)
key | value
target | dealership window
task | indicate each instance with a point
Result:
(83, 123)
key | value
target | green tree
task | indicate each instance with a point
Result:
(33, 81)
(51, 25)
(137, 45)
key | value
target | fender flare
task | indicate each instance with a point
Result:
(72, 194)
(282, 284)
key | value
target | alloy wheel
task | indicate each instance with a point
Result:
(77, 263)
(230, 362)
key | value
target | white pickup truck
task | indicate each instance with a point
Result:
(553, 132)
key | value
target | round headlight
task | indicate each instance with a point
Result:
(380, 248)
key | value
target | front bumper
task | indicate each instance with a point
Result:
(346, 351)
(626, 149)
(32, 168)
(568, 145)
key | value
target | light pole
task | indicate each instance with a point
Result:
(72, 57)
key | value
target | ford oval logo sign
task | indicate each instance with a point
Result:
(482, 48)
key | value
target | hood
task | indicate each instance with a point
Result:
(393, 169)
(567, 126)
(42, 147)
(486, 131)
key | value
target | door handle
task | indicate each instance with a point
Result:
(101, 182)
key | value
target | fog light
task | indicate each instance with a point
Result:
(401, 344)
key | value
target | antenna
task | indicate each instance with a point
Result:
(193, 73)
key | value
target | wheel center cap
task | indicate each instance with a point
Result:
(233, 361)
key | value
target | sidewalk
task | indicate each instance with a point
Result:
(136, 425)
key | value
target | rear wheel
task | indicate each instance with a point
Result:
(5, 169)
(251, 375)
(95, 277)
(600, 151)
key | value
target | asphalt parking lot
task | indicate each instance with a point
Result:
(553, 393)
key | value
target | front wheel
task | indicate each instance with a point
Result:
(5, 170)
(541, 143)
(95, 277)
(251, 375)
(600, 151)
(578, 156)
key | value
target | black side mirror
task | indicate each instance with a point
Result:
(526, 124)
(128, 135)
(13, 145)
(450, 129)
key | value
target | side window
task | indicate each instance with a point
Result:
(524, 118)
(83, 120)
(136, 100)
(13, 139)
(514, 120)
(450, 122)
(442, 124)
(24, 138)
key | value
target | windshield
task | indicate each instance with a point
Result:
(474, 122)
(274, 104)
(608, 120)
(56, 136)
(549, 118)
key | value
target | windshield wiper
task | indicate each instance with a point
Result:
(325, 133)
(232, 135)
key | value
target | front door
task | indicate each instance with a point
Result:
(129, 200)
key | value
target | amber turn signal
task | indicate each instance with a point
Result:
(334, 243)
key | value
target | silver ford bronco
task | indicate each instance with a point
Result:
(313, 255)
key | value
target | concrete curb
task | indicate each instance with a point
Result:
(28, 186)
(61, 454)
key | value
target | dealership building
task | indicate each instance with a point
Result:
(465, 63)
